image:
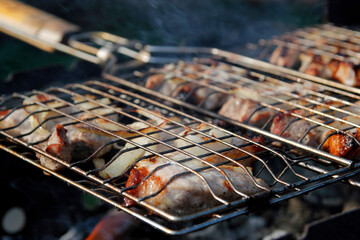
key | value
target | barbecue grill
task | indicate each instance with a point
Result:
(328, 42)
(290, 168)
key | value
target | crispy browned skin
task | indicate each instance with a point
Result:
(81, 141)
(181, 194)
(341, 71)
(316, 66)
(135, 177)
(4, 113)
(341, 145)
(185, 194)
(57, 146)
(338, 144)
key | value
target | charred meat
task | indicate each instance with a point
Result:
(345, 72)
(190, 82)
(174, 189)
(60, 137)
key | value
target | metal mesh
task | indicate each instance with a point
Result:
(324, 110)
(319, 51)
(175, 119)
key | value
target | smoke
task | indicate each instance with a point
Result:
(217, 23)
(223, 24)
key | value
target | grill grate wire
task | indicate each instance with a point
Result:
(322, 44)
(289, 169)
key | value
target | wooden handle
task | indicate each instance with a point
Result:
(32, 25)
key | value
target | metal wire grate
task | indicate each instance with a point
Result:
(327, 51)
(325, 109)
(124, 115)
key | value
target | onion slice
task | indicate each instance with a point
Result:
(128, 157)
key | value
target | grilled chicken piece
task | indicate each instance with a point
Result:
(20, 123)
(312, 134)
(45, 129)
(14, 121)
(313, 64)
(180, 193)
(345, 74)
(295, 129)
(57, 146)
(85, 140)
(84, 143)
(63, 138)
(284, 57)
(244, 106)
(173, 87)
(171, 84)
(246, 111)
(339, 143)
(342, 71)
(316, 66)
(330, 69)
(127, 158)
(25, 119)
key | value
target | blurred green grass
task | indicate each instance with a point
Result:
(18, 56)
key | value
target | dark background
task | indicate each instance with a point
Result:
(226, 24)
